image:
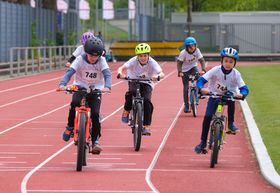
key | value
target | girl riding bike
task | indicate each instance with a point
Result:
(224, 80)
(91, 71)
(141, 66)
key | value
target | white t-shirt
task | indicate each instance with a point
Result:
(135, 69)
(219, 83)
(89, 74)
(189, 60)
(79, 51)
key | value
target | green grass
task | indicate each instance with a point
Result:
(264, 101)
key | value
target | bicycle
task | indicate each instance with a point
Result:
(193, 95)
(218, 126)
(82, 125)
(137, 112)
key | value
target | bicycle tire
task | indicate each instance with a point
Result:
(216, 134)
(193, 102)
(138, 127)
(81, 147)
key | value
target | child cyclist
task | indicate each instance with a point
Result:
(187, 65)
(91, 71)
(80, 49)
(141, 65)
(225, 80)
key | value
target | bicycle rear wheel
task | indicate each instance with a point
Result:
(216, 136)
(81, 147)
(138, 127)
(193, 102)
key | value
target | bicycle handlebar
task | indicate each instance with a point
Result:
(74, 88)
(137, 79)
(220, 96)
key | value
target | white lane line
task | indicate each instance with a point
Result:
(92, 191)
(30, 173)
(25, 145)
(11, 162)
(42, 115)
(149, 170)
(103, 158)
(29, 120)
(205, 170)
(36, 83)
(26, 85)
(27, 98)
(20, 153)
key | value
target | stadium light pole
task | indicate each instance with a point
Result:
(189, 18)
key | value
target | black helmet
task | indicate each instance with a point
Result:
(94, 46)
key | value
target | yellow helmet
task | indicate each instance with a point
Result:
(142, 48)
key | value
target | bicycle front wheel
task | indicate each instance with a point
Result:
(81, 147)
(193, 102)
(216, 136)
(137, 135)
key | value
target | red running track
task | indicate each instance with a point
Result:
(33, 157)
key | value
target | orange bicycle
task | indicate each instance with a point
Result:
(82, 125)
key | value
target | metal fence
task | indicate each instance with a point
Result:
(30, 60)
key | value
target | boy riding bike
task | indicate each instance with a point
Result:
(226, 80)
(187, 65)
(141, 66)
(91, 71)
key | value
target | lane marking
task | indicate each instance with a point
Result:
(30, 173)
(93, 191)
(27, 85)
(36, 83)
(42, 115)
(205, 170)
(149, 170)
(21, 153)
(26, 145)
(29, 120)
(27, 98)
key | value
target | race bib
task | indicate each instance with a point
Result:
(91, 75)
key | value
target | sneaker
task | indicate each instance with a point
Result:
(125, 116)
(200, 148)
(67, 133)
(96, 148)
(186, 109)
(146, 131)
(232, 129)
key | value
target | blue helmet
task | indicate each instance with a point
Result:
(190, 41)
(229, 52)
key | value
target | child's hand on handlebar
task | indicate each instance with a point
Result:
(61, 88)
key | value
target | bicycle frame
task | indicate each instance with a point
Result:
(193, 96)
(82, 109)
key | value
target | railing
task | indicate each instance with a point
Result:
(30, 60)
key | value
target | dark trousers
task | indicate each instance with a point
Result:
(146, 93)
(94, 102)
(210, 111)
(185, 80)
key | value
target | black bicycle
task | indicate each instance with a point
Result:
(218, 127)
(137, 112)
(193, 94)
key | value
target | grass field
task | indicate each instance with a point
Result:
(264, 101)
